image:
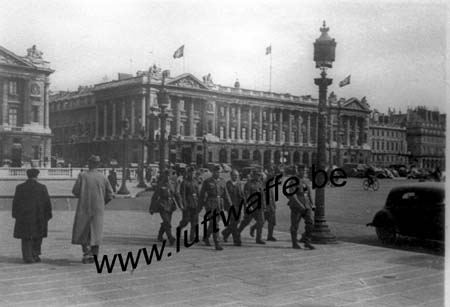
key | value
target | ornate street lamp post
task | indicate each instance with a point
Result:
(123, 188)
(141, 183)
(324, 54)
(163, 103)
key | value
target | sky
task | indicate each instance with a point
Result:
(395, 51)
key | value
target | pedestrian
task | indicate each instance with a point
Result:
(32, 210)
(254, 185)
(189, 192)
(148, 175)
(164, 202)
(213, 196)
(236, 194)
(112, 178)
(93, 191)
(270, 209)
(301, 206)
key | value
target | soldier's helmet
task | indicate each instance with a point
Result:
(216, 168)
(256, 174)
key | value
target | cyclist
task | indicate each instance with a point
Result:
(370, 175)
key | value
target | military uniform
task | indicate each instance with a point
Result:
(236, 194)
(251, 187)
(189, 191)
(301, 207)
(213, 196)
(164, 202)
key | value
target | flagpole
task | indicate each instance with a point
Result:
(270, 74)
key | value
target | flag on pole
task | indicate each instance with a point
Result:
(179, 52)
(345, 82)
(269, 50)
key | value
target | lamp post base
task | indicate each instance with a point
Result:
(322, 234)
(123, 190)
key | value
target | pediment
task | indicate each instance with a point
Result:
(355, 104)
(9, 58)
(188, 81)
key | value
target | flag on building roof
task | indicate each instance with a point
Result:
(345, 81)
(268, 49)
(179, 52)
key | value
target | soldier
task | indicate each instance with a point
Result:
(254, 185)
(236, 194)
(301, 206)
(189, 191)
(213, 195)
(164, 202)
(270, 211)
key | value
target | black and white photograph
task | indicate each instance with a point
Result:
(223, 153)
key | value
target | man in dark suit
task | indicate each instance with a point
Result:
(32, 210)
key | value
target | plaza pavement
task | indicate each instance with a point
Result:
(342, 274)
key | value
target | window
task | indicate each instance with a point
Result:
(233, 112)
(274, 135)
(181, 105)
(12, 117)
(244, 133)
(264, 135)
(13, 87)
(35, 152)
(221, 132)
(222, 111)
(233, 133)
(264, 115)
(210, 126)
(35, 113)
(254, 134)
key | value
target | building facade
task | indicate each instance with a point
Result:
(25, 135)
(389, 143)
(206, 122)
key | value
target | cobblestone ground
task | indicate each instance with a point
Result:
(343, 274)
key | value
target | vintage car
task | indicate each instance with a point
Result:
(416, 210)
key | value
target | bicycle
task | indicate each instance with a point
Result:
(374, 186)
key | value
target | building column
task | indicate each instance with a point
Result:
(133, 118)
(191, 118)
(260, 124)
(299, 128)
(250, 126)
(97, 120)
(227, 123)
(270, 116)
(213, 132)
(238, 111)
(280, 127)
(348, 130)
(105, 119)
(356, 131)
(177, 116)
(308, 128)
(113, 134)
(26, 103)
(46, 106)
(4, 103)
(289, 129)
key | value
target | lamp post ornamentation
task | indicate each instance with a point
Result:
(163, 103)
(123, 188)
(324, 55)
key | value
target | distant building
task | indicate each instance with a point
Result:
(25, 135)
(206, 123)
(388, 141)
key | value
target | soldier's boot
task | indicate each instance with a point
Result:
(308, 244)
(252, 230)
(225, 234)
(161, 232)
(216, 242)
(168, 230)
(270, 236)
(236, 238)
(294, 240)
(258, 235)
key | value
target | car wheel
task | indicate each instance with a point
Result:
(375, 185)
(365, 184)
(386, 234)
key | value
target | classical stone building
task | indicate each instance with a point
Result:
(389, 144)
(25, 134)
(425, 133)
(206, 122)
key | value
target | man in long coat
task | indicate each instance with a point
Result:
(32, 210)
(93, 191)
(234, 189)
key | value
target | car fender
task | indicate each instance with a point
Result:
(382, 218)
